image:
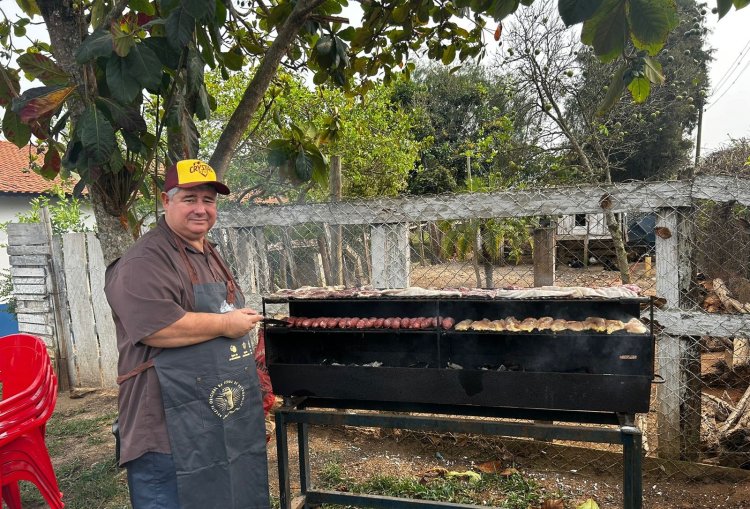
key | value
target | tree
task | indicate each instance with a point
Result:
(109, 62)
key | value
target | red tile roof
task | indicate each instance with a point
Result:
(16, 177)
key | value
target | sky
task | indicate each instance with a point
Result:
(727, 113)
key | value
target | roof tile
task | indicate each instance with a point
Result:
(16, 176)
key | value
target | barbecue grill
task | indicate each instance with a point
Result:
(563, 376)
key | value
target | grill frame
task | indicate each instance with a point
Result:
(622, 385)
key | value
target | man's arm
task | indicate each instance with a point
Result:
(195, 328)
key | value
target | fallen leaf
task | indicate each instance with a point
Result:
(490, 467)
(553, 504)
(589, 504)
(663, 232)
(468, 474)
(508, 472)
(432, 473)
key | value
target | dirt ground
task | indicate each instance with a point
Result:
(363, 452)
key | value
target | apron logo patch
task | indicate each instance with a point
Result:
(226, 398)
(233, 354)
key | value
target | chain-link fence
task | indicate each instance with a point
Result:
(683, 242)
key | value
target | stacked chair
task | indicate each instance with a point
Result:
(29, 393)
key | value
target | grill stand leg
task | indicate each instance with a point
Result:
(632, 453)
(304, 459)
(282, 455)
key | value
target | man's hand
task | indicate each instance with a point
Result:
(240, 321)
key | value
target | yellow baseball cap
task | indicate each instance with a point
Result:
(191, 173)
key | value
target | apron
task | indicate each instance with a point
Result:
(214, 411)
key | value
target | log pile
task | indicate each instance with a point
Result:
(719, 300)
(726, 430)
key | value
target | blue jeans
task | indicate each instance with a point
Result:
(152, 482)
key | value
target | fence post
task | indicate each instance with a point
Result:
(678, 407)
(544, 255)
(390, 255)
(336, 232)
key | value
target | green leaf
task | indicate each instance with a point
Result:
(606, 31)
(650, 23)
(588, 504)
(180, 27)
(98, 44)
(724, 6)
(195, 67)
(8, 94)
(121, 41)
(653, 71)
(39, 66)
(616, 86)
(125, 117)
(15, 131)
(303, 165)
(161, 47)
(233, 60)
(740, 4)
(39, 102)
(202, 106)
(29, 7)
(145, 66)
(200, 9)
(97, 135)
(122, 84)
(401, 13)
(576, 11)
(640, 88)
(501, 8)
(449, 54)
(144, 6)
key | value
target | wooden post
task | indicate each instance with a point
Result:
(324, 261)
(390, 255)
(678, 398)
(337, 262)
(544, 256)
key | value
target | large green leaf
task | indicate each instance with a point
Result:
(200, 9)
(98, 44)
(576, 11)
(640, 88)
(42, 67)
(39, 102)
(122, 84)
(97, 135)
(51, 166)
(167, 55)
(144, 6)
(126, 117)
(122, 41)
(616, 86)
(607, 30)
(180, 26)
(653, 71)
(195, 67)
(501, 8)
(15, 131)
(145, 66)
(724, 6)
(303, 165)
(650, 23)
(7, 94)
(29, 7)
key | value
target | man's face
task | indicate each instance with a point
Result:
(191, 212)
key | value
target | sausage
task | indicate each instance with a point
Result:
(323, 322)
(378, 323)
(360, 323)
(405, 323)
(447, 323)
(396, 323)
(306, 322)
(387, 323)
(352, 323)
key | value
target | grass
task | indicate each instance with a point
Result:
(508, 492)
(88, 482)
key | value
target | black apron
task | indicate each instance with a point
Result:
(214, 413)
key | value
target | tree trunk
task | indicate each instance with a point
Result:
(622, 257)
(114, 238)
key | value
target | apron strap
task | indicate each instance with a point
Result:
(136, 371)
(231, 286)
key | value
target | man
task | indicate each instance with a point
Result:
(190, 413)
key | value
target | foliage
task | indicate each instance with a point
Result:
(332, 121)
(509, 492)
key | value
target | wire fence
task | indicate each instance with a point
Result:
(683, 242)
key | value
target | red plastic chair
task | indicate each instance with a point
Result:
(29, 397)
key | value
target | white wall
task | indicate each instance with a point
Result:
(12, 205)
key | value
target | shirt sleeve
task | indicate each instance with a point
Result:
(145, 296)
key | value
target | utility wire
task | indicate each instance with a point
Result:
(733, 67)
(729, 87)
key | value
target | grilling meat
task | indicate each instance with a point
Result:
(512, 324)
(528, 324)
(545, 323)
(464, 324)
(574, 326)
(499, 325)
(481, 325)
(635, 326)
(596, 324)
(614, 326)
(558, 325)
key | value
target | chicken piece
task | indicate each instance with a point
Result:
(635, 326)
(512, 324)
(464, 324)
(558, 325)
(528, 324)
(596, 324)
(499, 325)
(481, 325)
(575, 326)
(614, 326)
(545, 323)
